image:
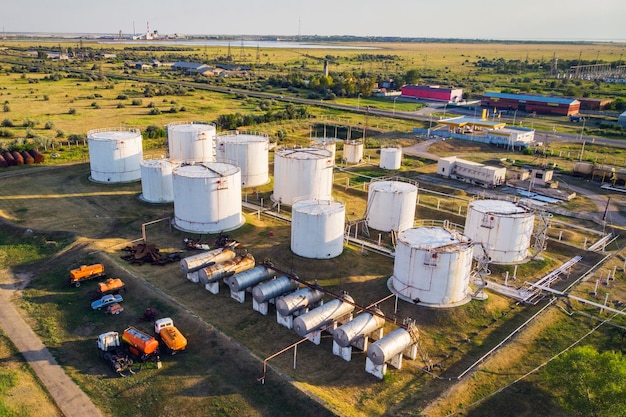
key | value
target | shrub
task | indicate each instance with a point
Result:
(154, 111)
(122, 96)
(7, 123)
(72, 110)
(137, 102)
(49, 125)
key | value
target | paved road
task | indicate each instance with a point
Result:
(70, 399)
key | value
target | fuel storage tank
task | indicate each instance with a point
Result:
(191, 142)
(432, 267)
(330, 144)
(317, 228)
(273, 288)
(243, 280)
(390, 157)
(207, 197)
(115, 155)
(250, 152)
(353, 151)
(302, 173)
(225, 269)
(504, 228)
(391, 205)
(383, 350)
(323, 315)
(201, 260)
(362, 325)
(156, 180)
(298, 300)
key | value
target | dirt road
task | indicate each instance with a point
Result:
(69, 398)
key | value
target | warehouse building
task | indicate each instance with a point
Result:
(432, 92)
(471, 172)
(529, 103)
(621, 120)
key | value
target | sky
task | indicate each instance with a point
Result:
(478, 19)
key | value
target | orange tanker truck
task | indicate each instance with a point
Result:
(141, 344)
(171, 338)
(84, 273)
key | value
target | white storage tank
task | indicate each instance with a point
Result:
(361, 326)
(115, 155)
(301, 299)
(352, 151)
(207, 198)
(504, 228)
(273, 288)
(250, 152)
(156, 180)
(191, 142)
(201, 260)
(330, 144)
(317, 228)
(432, 267)
(390, 157)
(323, 315)
(391, 205)
(302, 173)
(383, 350)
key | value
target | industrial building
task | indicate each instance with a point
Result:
(471, 172)
(621, 120)
(432, 92)
(530, 103)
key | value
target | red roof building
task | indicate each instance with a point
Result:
(432, 92)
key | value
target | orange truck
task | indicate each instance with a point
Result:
(111, 286)
(141, 344)
(84, 273)
(172, 339)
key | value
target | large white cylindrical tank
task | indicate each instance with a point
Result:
(391, 205)
(191, 142)
(504, 228)
(115, 155)
(207, 198)
(353, 151)
(362, 325)
(298, 300)
(323, 315)
(304, 173)
(317, 228)
(432, 267)
(156, 180)
(390, 158)
(248, 151)
(330, 144)
(201, 260)
(383, 350)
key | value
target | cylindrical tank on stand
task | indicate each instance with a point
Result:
(207, 198)
(273, 288)
(323, 315)
(298, 300)
(317, 228)
(225, 269)
(202, 260)
(391, 205)
(243, 280)
(115, 155)
(302, 173)
(432, 267)
(362, 325)
(383, 350)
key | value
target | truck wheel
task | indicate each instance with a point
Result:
(77, 284)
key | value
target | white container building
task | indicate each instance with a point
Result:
(352, 151)
(156, 180)
(317, 228)
(248, 151)
(191, 142)
(432, 267)
(390, 157)
(391, 205)
(504, 228)
(115, 155)
(302, 173)
(207, 198)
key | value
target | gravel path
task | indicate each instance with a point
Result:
(70, 399)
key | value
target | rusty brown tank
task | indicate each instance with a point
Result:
(19, 159)
(28, 159)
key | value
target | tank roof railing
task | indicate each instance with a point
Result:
(396, 178)
(242, 132)
(194, 122)
(114, 129)
(446, 224)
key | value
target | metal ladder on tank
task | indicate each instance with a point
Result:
(414, 333)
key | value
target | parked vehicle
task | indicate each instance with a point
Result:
(106, 300)
(111, 286)
(140, 344)
(171, 338)
(112, 351)
(84, 273)
(115, 308)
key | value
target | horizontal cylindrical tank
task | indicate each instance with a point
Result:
(504, 228)
(225, 269)
(317, 228)
(39, 158)
(156, 180)
(8, 156)
(383, 350)
(362, 325)
(246, 279)
(303, 173)
(390, 158)
(202, 260)
(3, 162)
(273, 288)
(353, 151)
(19, 159)
(584, 168)
(115, 155)
(323, 315)
(330, 144)
(391, 205)
(191, 142)
(207, 197)
(248, 151)
(28, 159)
(432, 267)
(298, 300)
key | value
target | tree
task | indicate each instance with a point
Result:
(588, 383)
(412, 76)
